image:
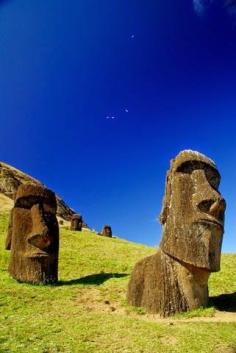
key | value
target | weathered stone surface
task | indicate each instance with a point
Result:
(33, 235)
(11, 178)
(107, 231)
(76, 222)
(6, 203)
(175, 279)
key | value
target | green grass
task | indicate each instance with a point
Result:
(87, 312)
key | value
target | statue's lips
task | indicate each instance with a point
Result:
(211, 222)
(36, 254)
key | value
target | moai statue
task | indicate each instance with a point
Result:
(76, 222)
(175, 279)
(107, 231)
(33, 235)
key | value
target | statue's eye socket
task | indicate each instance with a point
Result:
(27, 202)
(211, 173)
(49, 218)
(213, 178)
(48, 209)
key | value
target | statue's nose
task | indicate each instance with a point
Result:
(213, 207)
(217, 209)
(39, 236)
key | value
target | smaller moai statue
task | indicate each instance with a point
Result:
(33, 235)
(76, 222)
(107, 231)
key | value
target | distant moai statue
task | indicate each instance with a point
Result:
(107, 231)
(76, 222)
(33, 235)
(175, 279)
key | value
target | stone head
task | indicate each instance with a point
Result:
(33, 226)
(193, 211)
(76, 222)
(107, 231)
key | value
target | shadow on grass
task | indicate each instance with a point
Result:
(95, 279)
(224, 302)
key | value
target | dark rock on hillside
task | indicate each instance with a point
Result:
(76, 222)
(107, 231)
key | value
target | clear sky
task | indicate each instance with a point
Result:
(164, 70)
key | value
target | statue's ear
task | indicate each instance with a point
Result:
(166, 200)
(9, 232)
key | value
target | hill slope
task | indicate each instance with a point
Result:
(11, 178)
(87, 312)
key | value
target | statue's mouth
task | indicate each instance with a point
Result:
(36, 254)
(213, 222)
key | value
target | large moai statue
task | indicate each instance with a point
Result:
(33, 235)
(107, 231)
(175, 279)
(76, 222)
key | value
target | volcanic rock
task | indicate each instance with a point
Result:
(11, 178)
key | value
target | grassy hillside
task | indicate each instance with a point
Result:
(87, 312)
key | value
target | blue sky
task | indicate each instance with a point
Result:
(164, 70)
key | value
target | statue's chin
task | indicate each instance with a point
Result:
(197, 244)
(211, 240)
